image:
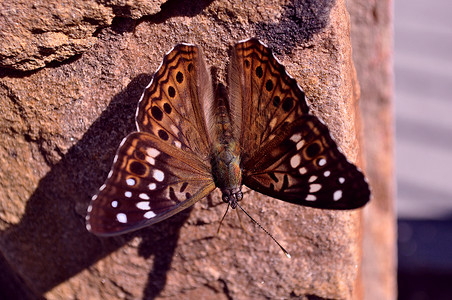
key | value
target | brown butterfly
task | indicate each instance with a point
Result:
(192, 139)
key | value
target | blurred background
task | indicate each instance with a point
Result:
(423, 110)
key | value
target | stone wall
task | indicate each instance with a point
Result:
(71, 75)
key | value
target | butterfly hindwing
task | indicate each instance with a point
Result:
(303, 165)
(149, 182)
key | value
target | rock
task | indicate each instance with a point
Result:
(372, 36)
(35, 34)
(64, 122)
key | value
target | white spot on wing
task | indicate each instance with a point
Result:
(178, 144)
(296, 137)
(300, 144)
(149, 214)
(302, 170)
(337, 195)
(143, 196)
(128, 194)
(310, 198)
(152, 186)
(114, 203)
(144, 205)
(90, 208)
(152, 152)
(88, 227)
(102, 187)
(315, 187)
(150, 160)
(121, 217)
(158, 175)
(327, 173)
(312, 178)
(295, 161)
(94, 198)
(110, 173)
(322, 162)
(130, 181)
(341, 180)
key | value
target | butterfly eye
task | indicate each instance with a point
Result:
(225, 198)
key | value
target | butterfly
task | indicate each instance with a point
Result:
(193, 138)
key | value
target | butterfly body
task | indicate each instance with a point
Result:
(225, 151)
(227, 172)
(191, 140)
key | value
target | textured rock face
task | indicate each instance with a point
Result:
(72, 75)
(372, 54)
(36, 33)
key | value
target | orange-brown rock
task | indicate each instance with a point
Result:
(372, 53)
(70, 81)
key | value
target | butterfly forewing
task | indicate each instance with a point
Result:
(286, 152)
(172, 106)
(164, 168)
(303, 165)
(262, 95)
(150, 181)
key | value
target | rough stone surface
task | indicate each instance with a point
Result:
(372, 52)
(63, 123)
(36, 33)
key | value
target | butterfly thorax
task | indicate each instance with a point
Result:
(226, 171)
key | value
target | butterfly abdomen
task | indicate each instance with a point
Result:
(226, 171)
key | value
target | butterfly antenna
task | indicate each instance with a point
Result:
(221, 222)
(255, 222)
(241, 224)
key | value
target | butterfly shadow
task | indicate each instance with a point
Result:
(50, 244)
(160, 240)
